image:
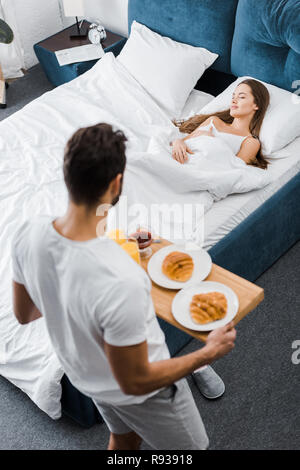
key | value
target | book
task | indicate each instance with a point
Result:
(79, 54)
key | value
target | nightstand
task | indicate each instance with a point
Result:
(56, 74)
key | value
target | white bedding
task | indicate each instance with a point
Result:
(209, 175)
(225, 215)
(31, 145)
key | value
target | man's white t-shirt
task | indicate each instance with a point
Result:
(87, 292)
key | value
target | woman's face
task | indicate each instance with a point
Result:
(242, 103)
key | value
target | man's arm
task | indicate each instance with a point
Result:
(137, 376)
(24, 309)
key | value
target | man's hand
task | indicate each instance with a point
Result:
(180, 151)
(221, 341)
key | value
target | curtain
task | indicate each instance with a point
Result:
(31, 21)
(11, 56)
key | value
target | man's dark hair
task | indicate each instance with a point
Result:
(94, 156)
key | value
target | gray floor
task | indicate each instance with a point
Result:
(25, 89)
(260, 408)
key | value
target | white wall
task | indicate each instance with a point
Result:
(111, 13)
(36, 19)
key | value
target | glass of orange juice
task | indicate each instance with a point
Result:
(129, 244)
(132, 248)
(143, 237)
(117, 235)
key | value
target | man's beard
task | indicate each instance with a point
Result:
(116, 199)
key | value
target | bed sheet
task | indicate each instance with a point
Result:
(226, 214)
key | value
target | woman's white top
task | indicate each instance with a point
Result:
(234, 141)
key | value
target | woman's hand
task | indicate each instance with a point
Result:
(180, 150)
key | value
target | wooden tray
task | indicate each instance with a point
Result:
(249, 294)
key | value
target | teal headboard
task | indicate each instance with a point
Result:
(266, 42)
(203, 23)
(260, 38)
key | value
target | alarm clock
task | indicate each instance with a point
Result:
(97, 33)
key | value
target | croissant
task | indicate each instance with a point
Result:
(178, 266)
(206, 308)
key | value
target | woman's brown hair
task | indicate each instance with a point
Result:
(261, 99)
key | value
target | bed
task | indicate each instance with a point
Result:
(236, 228)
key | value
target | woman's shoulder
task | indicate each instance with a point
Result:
(214, 118)
(210, 119)
(252, 140)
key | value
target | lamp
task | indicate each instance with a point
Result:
(75, 8)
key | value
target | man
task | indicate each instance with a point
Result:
(98, 309)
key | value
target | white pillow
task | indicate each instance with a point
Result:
(167, 69)
(196, 100)
(281, 124)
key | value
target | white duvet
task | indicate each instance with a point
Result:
(31, 183)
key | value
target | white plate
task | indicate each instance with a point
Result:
(182, 300)
(202, 265)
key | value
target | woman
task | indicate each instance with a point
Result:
(238, 126)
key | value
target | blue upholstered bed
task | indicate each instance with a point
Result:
(256, 38)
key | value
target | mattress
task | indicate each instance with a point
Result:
(226, 214)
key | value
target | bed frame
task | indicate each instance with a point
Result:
(266, 46)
